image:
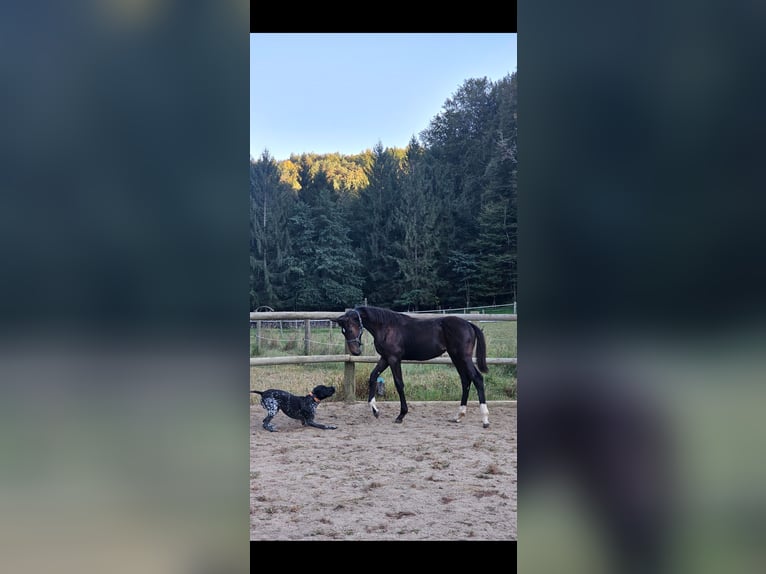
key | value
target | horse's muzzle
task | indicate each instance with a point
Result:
(355, 349)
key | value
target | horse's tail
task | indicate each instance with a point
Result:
(481, 349)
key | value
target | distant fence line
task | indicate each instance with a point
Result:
(291, 324)
(464, 310)
(322, 318)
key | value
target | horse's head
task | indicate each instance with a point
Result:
(351, 326)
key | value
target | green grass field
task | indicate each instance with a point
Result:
(421, 382)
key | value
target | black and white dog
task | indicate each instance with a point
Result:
(295, 407)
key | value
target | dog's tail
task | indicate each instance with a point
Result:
(259, 392)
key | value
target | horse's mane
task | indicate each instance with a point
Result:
(381, 316)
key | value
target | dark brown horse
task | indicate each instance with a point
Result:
(398, 337)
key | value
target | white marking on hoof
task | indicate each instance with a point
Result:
(461, 413)
(484, 414)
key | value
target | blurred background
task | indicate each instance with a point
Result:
(641, 268)
(123, 241)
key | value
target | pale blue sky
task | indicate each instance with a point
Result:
(326, 93)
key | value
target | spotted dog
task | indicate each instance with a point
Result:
(295, 407)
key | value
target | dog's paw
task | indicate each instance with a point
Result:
(269, 428)
(331, 427)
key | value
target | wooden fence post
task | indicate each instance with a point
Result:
(258, 337)
(349, 384)
(307, 337)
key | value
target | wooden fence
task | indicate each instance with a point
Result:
(349, 385)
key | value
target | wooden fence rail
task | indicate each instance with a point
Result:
(349, 385)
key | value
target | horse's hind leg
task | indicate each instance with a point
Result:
(469, 373)
(465, 381)
(478, 381)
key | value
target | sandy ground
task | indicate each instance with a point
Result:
(371, 479)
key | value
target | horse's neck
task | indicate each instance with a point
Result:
(370, 326)
(369, 323)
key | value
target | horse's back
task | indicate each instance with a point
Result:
(423, 339)
(420, 339)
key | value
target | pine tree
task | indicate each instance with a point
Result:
(270, 207)
(325, 273)
(458, 138)
(417, 215)
(375, 230)
(498, 221)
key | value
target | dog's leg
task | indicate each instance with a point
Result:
(272, 408)
(267, 424)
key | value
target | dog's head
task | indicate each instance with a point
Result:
(322, 392)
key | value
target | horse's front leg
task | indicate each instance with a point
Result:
(379, 368)
(396, 371)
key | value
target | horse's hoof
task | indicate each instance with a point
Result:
(376, 413)
(486, 425)
(400, 421)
